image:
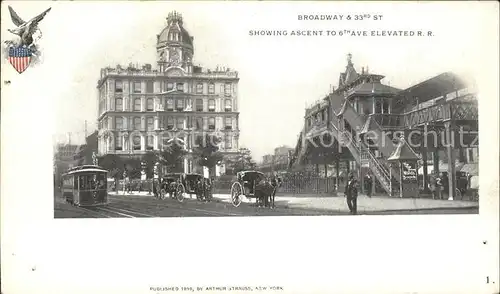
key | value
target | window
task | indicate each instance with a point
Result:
(199, 140)
(228, 105)
(228, 142)
(180, 87)
(150, 143)
(471, 154)
(198, 123)
(385, 106)
(170, 123)
(227, 89)
(137, 104)
(137, 123)
(180, 104)
(118, 86)
(170, 86)
(149, 87)
(150, 104)
(228, 123)
(119, 104)
(211, 123)
(119, 142)
(199, 88)
(136, 143)
(150, 124)
(170, 104)
(119, 123)
(137, 87)
(199, 105)
(211, 88)
(378, 107)
(180, 123)
(211, 105)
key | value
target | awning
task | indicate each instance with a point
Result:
(443, 167)
(403, 152)
(471, 168)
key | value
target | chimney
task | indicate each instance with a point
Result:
(363, 70)
(366, 69)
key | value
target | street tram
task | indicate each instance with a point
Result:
(85, 185)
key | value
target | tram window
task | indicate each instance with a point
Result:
(75, 183)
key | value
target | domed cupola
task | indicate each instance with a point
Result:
(174, 45)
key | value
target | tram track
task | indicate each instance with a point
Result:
(168, 204)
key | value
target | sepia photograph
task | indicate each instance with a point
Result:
(249, 146)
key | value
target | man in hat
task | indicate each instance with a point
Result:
(351, 194)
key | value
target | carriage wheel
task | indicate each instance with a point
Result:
(179, 193)
(162, 194)
(236, 192)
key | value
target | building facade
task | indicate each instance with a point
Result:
(278, 161)
(368, 122)
(143, 109)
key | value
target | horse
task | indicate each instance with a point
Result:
(265, 192)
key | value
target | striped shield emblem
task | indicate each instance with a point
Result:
(20, 58)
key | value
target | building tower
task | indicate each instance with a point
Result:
(174, 45)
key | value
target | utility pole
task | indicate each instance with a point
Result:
(85, 128)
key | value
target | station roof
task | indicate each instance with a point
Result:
(434, 87)
(373, 88)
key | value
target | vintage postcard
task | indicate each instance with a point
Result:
(270, 147)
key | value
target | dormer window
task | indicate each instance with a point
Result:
(211, 88)
(118, 86)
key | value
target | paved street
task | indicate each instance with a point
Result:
(143, 205)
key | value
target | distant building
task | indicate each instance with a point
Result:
(278, 161)
(141, 108)
(64, 158)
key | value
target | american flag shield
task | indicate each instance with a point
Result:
(20, 58)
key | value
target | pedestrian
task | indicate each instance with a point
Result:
(439, 186)
(445, 184)
(351, 194)
(368, 185)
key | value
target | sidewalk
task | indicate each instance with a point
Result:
(338, 203)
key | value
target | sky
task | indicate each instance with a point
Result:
(279, 75)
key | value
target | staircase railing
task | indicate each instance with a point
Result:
(380, 172)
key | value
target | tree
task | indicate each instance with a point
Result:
(172, 156)
(150, 158)
(243, 161)
(113, 164)
(207, 152)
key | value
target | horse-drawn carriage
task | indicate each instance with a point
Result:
(253, 184)
(179, 184)
(171, 184)
(198, 185)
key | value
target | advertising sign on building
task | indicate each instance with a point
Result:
(409, 171)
